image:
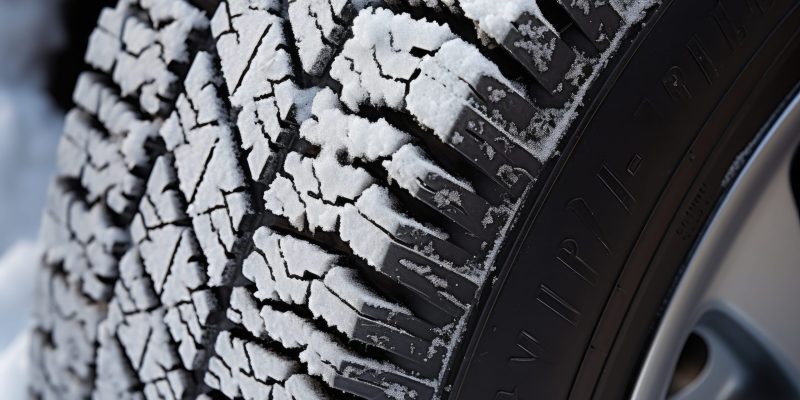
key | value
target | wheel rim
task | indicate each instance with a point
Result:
(731, 329)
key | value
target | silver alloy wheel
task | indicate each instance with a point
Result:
(736, 311)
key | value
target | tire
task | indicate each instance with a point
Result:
(314, 199)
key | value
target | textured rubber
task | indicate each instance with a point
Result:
(267, 200)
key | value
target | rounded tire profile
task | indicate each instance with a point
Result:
(403, 199)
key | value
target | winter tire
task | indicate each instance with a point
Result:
(404, 199)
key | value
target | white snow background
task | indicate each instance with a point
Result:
(30, 126)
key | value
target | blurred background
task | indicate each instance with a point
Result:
(41, 52)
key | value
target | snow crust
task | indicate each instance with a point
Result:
(258, 82)
(207, 165)
(335, 132)
(376, 64)
(244, 369)
(137, 55)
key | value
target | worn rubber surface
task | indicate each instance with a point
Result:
(303, 199)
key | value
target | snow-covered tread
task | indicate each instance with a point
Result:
(141, 50)
(295, 200)
(139, 41)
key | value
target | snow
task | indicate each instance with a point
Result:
(409, 167)
(323, 303)
(303, 257)
(334, 131)
(313, 26)
(376, 63)
(376, 204)
(16, 285)
(346, 284)
(542, 53)
(144, 74)
(437, 97)
(494, 18)
(29, 131)
(30, 127)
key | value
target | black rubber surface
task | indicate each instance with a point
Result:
(573, 309)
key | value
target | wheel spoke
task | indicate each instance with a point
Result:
(739, 289)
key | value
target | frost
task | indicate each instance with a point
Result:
(446, 197)
(427, 272)
(583, 5)
(400, 392)
(541, 53)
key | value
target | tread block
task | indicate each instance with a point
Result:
(376, 204)
(411, 169)
(140, 56)
(597, 19)
(329, 360)
(539, 49)
(282, 267)
(67, 319)
(458, 84)
(326, 303)
(319, 27)
(267, 99)
(243, 369)
(83, 241)
(345, 284)
(208, 171)
(525, 33)
(376, 383)
(381, 252)
(377, 63)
